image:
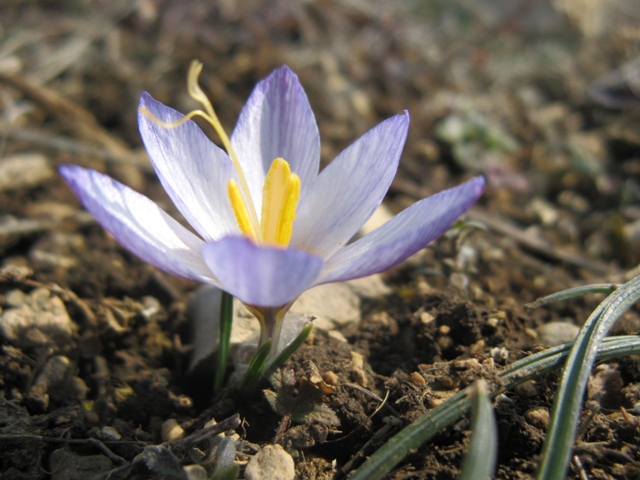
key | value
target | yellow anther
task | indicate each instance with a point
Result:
(281, 190)
(288, 215)
(280, 196)
(239, 207)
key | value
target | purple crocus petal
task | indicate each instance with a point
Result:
(277, 121)
(348, 191)
(139, 225)
(404, 235)
(258, 275)
(192, 170)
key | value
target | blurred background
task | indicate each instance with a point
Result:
(541, 96)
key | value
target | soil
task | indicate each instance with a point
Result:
(520, 96)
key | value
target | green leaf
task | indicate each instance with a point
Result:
(253, 374)
(290, 349)
(573, 293)
(480, 460)
(226, 322)
(447, 413)
(556, 452)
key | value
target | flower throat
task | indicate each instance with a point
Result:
(281, 190)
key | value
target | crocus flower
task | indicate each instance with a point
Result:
(268, 224)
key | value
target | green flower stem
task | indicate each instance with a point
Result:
(226, 322)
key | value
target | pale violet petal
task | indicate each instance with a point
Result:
(404, 235)
(260, 275)
(138, 224)
(277, 121)
(193, 170)
(347, 192)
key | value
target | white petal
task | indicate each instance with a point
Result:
(347, 192)
(192, 170)
(139, 225)
(277, 121)
(403, 235)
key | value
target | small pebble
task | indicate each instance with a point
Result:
(331, 378)
(272, 462)
(172, 431)
(556, 333)
(527, 389)
(110, 433)
(35, 319)
(459, 281)
(357, 369)
(500, 354)
(538, 417)
(477, 348)
(448, 382)
(24, 170)
(502, 398)
(359, 377)
(444, 330)
(493, 322)
(426, 318)
(66, 465)
(336, 335)
(445, 342)
(417, 379)
(357, 360)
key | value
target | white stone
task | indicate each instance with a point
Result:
(336, 304)
(556, 333)
(171, 430)
(35, 318)
(272, 462)
(24, 170)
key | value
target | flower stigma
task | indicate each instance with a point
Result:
(281, 190)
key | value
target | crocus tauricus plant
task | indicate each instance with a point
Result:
(268, 224)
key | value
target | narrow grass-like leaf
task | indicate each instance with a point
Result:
(226, 322)
(580, 291)
(450, 411)
(289, 350)
(565, 413)
(480, 460)
(253, 374)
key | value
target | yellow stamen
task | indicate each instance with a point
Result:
(281, 190)
(239, 207)
(210, 116)
(280, 196)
